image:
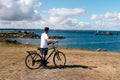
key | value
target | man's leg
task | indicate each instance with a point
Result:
(44, 57)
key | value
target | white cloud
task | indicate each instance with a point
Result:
(106, 17)
(95, 17)
(16, 10)
(64, 18)
(119, 15)
(71, 22)
(74, 23)
(84, 24)
(107, 21)
(65, 11)
(23, 14)
(57, 15)
(23, 24)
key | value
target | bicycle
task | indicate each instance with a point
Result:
(34, 60)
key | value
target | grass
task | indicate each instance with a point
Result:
(81, 64)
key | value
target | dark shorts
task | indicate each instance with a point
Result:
(44, 51)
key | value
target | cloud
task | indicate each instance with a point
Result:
(70, 22)
(65, 11)
(18, 13)
(23, 24)
(23, 14)
(64, 18)
(84, 24)
(17, 10)
(95, 17)
(57, 15)
(108, 20)
(106, 17)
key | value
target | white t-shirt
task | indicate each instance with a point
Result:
(44, 38)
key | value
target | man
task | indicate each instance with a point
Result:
(44, 43)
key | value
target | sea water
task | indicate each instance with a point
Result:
(79, 39)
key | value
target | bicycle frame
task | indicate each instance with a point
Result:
(52, 52)
(38, 61)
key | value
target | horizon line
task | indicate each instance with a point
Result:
(56, 29)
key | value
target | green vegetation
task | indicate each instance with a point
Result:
(25, 34)
(19, 34)
(3, 40)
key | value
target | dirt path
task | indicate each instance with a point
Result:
(81, 65)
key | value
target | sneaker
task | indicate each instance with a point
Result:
(45, 63)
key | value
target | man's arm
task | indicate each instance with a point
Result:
(51, 40)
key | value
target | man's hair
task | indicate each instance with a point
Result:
(46, 29)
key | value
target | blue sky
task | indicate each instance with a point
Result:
(60, 14)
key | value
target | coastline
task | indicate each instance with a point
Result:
(85, 40)
(81, 64)
(15, 42)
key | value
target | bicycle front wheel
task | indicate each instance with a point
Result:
(33, 61)
(59, 59)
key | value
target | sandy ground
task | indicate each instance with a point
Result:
(81, 65)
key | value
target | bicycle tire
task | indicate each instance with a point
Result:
(34, 59)
(59, 59)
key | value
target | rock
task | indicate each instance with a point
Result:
(19, 34)
(56, 37)
(100, 49)
(106, 33)
(27, 43)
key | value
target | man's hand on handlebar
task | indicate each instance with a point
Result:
(56, 41)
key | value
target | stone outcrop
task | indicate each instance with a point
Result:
(25, 34)
(57, 37)
(106, 33)
(19, 34)
(100, 49)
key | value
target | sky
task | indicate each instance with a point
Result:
(60, 14)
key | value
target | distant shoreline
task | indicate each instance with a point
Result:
(76, 39)
(25, 34)
(13, 43)
(58, 29)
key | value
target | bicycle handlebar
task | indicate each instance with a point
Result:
(52, 43)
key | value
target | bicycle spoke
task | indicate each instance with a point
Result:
(59, 59)
(33, 61)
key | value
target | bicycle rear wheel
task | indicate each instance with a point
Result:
(59, 59)
(33, 61)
